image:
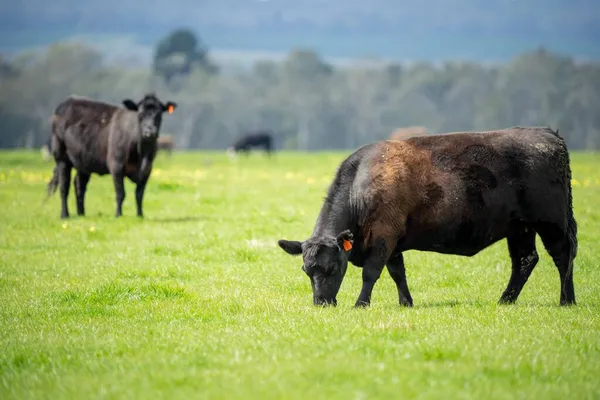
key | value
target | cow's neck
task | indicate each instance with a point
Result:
(146, 147)
(334, 217)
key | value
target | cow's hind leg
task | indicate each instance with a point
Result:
(395, 266)
(521, 247)
(62, 174)
(64, 183)
(80, 182)
(562, 249)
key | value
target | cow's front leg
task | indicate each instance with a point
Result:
(139, 194)
(119, 191)
(395, 266)
(144, 170)
(64, 182)
(371, 272)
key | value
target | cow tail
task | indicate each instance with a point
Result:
(565, 166)
(571, 223)
(571, 230)
(53, 183)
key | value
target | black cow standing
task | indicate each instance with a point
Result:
(96, 137)
(258, 139)
(451, 194)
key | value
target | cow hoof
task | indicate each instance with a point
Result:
(506, 300)
(405, 303)
(64, 216)
(361, 304)
(566, 303)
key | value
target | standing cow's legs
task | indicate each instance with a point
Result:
(139, 194)
(119, 191)
(395, 266)
(562, 251)
(64, 182)
(372, 271)
(80, 183)
(521, 247)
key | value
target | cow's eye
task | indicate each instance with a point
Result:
(330, 270)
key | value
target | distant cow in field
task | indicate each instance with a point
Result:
(258, 139)
(96, 137)
(408, 132)
(165, 143)
(453, 194)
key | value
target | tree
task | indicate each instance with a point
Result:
(179, 53)
(47, 79)
(7, 69)
(306, 77)
(306, 65)
(309, 104)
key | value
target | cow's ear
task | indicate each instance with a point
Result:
(170, 107)
(292, 247)
(130, 105)
(345, 240)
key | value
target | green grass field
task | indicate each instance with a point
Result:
(197, 300)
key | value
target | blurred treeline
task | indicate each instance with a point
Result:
(308, 103)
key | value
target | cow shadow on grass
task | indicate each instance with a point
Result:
(483, 304)
(157, 220)
(180, 219)
(449, 304)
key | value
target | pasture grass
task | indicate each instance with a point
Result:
(197, 301)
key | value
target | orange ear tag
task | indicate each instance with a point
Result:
(170, 109)
(347, 245)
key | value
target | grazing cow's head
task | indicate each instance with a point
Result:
(149, 110)
(325, 262)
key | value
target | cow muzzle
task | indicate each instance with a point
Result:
(149, 133)
(324, 302)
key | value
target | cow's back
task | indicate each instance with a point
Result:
(408, 132)
(82, 126)
(459, 193)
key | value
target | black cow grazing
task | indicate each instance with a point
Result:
(453, 194)
(259, 139)
(95, 137)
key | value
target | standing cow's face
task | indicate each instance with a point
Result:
(149, 111)
(325, 263)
